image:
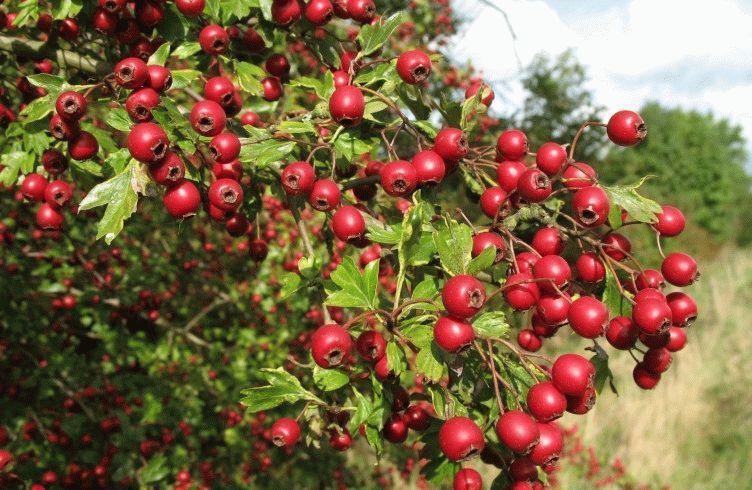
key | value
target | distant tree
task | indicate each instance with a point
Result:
(698, 163)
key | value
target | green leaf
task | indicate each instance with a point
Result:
(427, 128)
(430, 363)
(603, 373)
(419, 334)
(155, 470)
(426, 288)
(454, 242)
(325, 49)
(396, 360)
(373, 36)
(491, 325)
(350, 145)
(472, 108)
(291, 283)
(379, 232)
(483, 261)
(186, 50)
(638, 208)
(297, 127)
(282, 387)
(330, 379)
(14, 164)
(322, 88)
(450, 110)
(51, 83)
(353, 288)
(118, 118)
(66, 8)
(440, 471)
(413, 99)
(309, 267)
(264, 153)
(248, 77)
(38, 109)
(28, 11)
(159, 57)
(183, 78)
(438, 400)
(612, 297)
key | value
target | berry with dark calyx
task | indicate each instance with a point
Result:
(580, 405)
(460, 439)
(213, 39)
(49, 217)
(551, 158)
(650, 279)
(529, 340)
(340, 9)
(590, 267)
(512, 145)
(578, 175)
(492, 200)
(226, 194)
(398, 178)
(54, 162)
(413, 66)
(113, 6)
(169, 171)
(626, 128)
(534, 186)
(429, 166)
(131, 73)
(71, 106)
(553, 309)
(298, 178)
(182, 200)
(58, 193)
(147, 142)
(670, 222)
(545, 402)
(104, 22)
(488, 239)
(451, 144)
(548, 241)
(220, 90)
(286, 12)
(588, 317)
(652, 316)
(622, 333)
(524, 262)
(549, 446)
(277, 65)
(61, 129)
(319, 12)
(677, 339)
(272, 88)
(347, 105)
(208, 118)
(452, 334)
(140, 103)
(683, 308)
(572, 374)
(657, 360)
(395, 429)
(285, 432)
(616, 246)
(232, 170)
(340, 441)
(591, 206)
(258, 249)
(467, 479)
(552, 273)
(679, 269)
(644, 378)
(508, 174)
(463, 296)
(362, 11)
(330, 345)
(348, 223)
(225, 147)
(517, 431)
(521, 292)
(149, 13)
(33, 187)
(190, 8)
(325, 195)
(83, 146)
(371, 345)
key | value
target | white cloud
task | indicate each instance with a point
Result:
(691, 53)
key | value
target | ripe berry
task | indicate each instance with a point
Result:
(549, 445)
(523, 470)
(512, 145)
(553, 309)
(341, 78)
(362, 11)
(258, 249)
(250, 118)
(226, 194)
(54, 162)
(626, 128)
(508, 174)
(83, 146)
(104, 22)
(169, 171)
(652, 316)
(348, 223)
(113, 6)
(581, 404)
(395, 429)
(644, 378)
(578, 175)
(147, 142)
(590, 268)
(670, 222)
(182, 200)
(140, 103)
(347, 105)
(546, 402)
(467, 479)
(285, 12)
(452, 334)
(679, 269)
(488, 239)
(551, 158)
(61, 129)
(616, 246)
(213, 39)
(451, 144)
(649, 293)
(657, 360)
(285, 432)
(591, 206)
(58, 193)
(553, 272)
(298, 178)
(149, 13)
(272, 88)
(655, 341)
(650, 278)
(69, 29)
(622, 333)
(683, 309)
(220, 90)
(33, 187)
(319, 12)
(418, 416)
(131, 73)
(572, 374)
(190, 8)
(492, 200)
(677, 339)
(398, 178)
(463, 296)
(520, 292)
(371, 345)
(232, 170)
(534, 186)
(330, 345)
(529, 340)
(225, 147)
(429, 166)
(460, 439)
(208, 118)
(340, 441)
(49, 217)
(588, 317)
(517, 431)
(325, 195)
(479, 86)
(71, 106)
(413, 66)
(548, 241)
(237, 225)
(277, 65)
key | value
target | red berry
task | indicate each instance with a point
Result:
(413, 66)
(83, 146)
(572, 374)
(285, 12)
(226, 194)
(492, 200)
(399, 178)
(679, 269)
(523, 470)
(683, 309)
(548, 241)
(208, 118)
(467, 479)
(588, 317)
(581, 404)
(190, 8)
(529, 340)
(552, 273)
(131, 73)
(58, 193)
(147, 142)
(546, 402)
(549, 445)
(395, 429)
(517, 431)
(534, 186)
(140, 103)
(644, 378)
(670, 222)
(319, 12)
(69, 29)
(590, 268)
(508, 174)
(649, 293)
(362, 11)
(591, 206)
(341, 78)
(657, 360)
(220, 90)
(182, 200)
(452, 334)
(488, 239)
(512, 145)
(551, 158)
(479, 86)
(626, 128)
(325, 195)
(33, 187)
(149, 13)
(169, 171)
(49, 217)
(463, 296)
(113, 6)
(285, 432)
(71, 106)
(232, 170)
(652, 316)
(298, 178)
(61, 129)
(429, 166)
(213, 39)
(330, 345)
(553, 308)
(677, 339)
(371, 345)
(520, 292)
(348, 223)
(451, 144)
(340, 441)
(616, 246)
(418, 416)
(104, 22)
(54, 162)
(650, 279)
(272, 88)
(622, 333)
(460, 439)
(277, 65)
(578, 175)
(347, 105)
(225, 147)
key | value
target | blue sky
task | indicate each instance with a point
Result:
(690, 53)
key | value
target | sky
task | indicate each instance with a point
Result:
(696, 54)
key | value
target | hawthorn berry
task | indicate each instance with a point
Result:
(644, 378)
(286, 12)
(429, 166)
(131, 73)
(169, 171)
(572, 374)
(272, 88)
(285, 432)
(652, 316)
(553, 309)
(512, 145)
(590, 268)
(226, 194)
(534, 186)
(225, 147)
(546, 402)
(552, 272)
(371, 345)
(683, 308)
(582, 404)
(508, 174)
(395, 429)
(54, 162)
(463, 296)
(61, 129)
(83, 146)
(220, 90)
(33, 187)
(492, 200)
(670, 222)
(319, 12)
(347, 105)
(626, 128)
(104, 22)
(520, 291)
(549, 445)
(140, 103)
(591, 206)
(277, 65)
(460, 439)
(616, 246)
(523, 470)
(488, 239)
(622, 333)
(479, 86)
(330, 345)
(657, 360)
(548, 241)
(58, 193)
(551, 158)
(182, 200)
(213, 39)
(650, 279)
(190, 8)
(467, 479)
(362, 11)
(71, 106)
(679, 269)
(147, 142)
(413, 66)
(529, 340)
(348, 224)
(398, 178)
(588, 317)
(113, 6)
(452, 334)
(677, 339)
(418, 416)
(324, 195)
(49, 217)
(451, 144)
(207, 118)
(578, 175)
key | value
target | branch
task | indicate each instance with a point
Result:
(38, 50)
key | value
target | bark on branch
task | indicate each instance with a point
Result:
(37, 50)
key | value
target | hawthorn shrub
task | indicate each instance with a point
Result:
(295, 279)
